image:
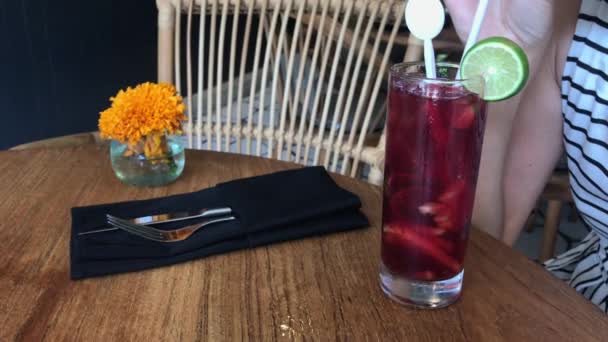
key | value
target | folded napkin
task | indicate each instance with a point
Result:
(270, 208)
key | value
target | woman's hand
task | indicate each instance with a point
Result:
(530, 23)
(527, 22)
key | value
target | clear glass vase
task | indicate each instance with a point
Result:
(135, 167)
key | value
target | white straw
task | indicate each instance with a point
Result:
(429, 59)
(480, 14)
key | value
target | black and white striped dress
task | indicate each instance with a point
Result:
(585, 112)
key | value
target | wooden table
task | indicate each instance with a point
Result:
(322, 288)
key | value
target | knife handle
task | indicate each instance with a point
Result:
(217, 212)
(181, 216)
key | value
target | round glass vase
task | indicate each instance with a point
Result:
(137, 169)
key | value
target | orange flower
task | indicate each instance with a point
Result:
(149, 109)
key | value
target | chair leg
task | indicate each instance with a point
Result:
(166, 23)
(552, 218)
(529, 226)
(573, 214)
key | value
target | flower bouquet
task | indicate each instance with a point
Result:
(143, 123)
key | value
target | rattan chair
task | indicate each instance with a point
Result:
(294, 80)
(556, 193)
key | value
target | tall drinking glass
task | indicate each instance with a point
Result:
(433, 146)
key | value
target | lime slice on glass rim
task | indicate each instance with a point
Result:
(501, 62)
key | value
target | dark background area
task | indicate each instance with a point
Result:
(61, 60)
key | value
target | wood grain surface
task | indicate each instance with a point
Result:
(318, 289)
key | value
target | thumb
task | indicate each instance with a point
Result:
(462, 12)
(461, 6)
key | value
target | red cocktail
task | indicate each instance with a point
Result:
(434, 137)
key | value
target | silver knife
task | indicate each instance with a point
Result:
(169, 217)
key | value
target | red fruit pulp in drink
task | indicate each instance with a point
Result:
(433, 148)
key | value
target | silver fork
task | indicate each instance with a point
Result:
(154, 234)
(168, 217)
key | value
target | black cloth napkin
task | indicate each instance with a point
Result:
(271, 208)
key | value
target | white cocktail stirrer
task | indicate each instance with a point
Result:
(480, 14)
(425, 20)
